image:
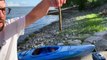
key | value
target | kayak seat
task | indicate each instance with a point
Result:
(39, 51)
(52, 49)
(44, 50)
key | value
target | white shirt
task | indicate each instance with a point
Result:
(9, 36)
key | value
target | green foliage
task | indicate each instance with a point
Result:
(32, 35)
(96, 3)
(80, 3)
(83, 4)
(87, 24)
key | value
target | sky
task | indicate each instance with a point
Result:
(22, 3)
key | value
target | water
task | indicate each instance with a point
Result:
(20, 11)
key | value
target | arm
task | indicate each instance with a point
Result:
(37, 12)
(41, 10)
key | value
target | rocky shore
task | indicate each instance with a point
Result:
(50, 35)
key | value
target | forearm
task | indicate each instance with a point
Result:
(37, 12)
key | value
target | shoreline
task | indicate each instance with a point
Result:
(49, 35)
(39, 25)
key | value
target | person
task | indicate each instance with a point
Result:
(11, 29)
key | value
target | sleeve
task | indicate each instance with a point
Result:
(21, 25)
(15, 26)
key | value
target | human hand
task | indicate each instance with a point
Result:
(57, 3)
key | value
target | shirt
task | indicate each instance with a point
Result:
(9, 36)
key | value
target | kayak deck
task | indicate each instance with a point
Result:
(59, 52)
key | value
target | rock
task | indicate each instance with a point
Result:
(78, 41)
(60, 44)
(67, 35)
(86, 43)
(105, 36)
(101, 45)
(74, 42)
(102, 34)
(42, 44)
(22, 38)
(99, 39)
(93, 39)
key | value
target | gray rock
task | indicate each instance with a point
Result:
(86, 43)
(93, 39)
(60, 44)
(105, 36)
(102, 34)
(74, 42)
(21, 38)
(101, 45)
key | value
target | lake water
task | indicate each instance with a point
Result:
(21, 11)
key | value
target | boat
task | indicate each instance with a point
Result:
(55, 52)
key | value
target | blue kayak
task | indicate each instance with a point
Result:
(55, 52)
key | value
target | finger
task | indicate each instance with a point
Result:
(61, 1)
(64, 1)
(58, 3)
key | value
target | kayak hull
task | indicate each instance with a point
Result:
(61, 52)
